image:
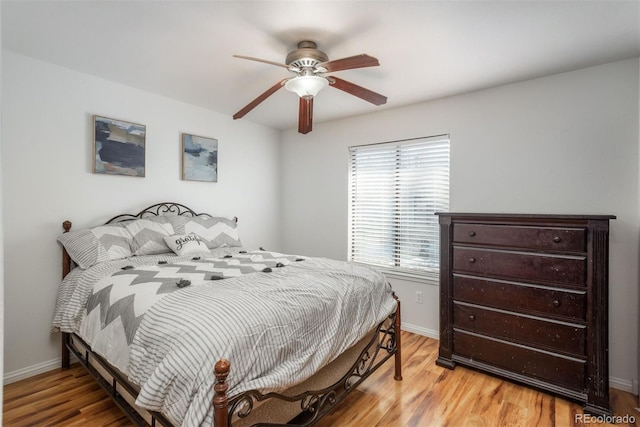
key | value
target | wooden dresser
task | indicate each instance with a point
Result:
(525, 297)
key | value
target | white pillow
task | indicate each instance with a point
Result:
(148, 235)
(215, 232)
(90, 246)
(185, 244)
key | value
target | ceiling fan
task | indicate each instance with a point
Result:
(309, 66)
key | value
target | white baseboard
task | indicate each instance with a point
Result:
(629, 386)
(33, 370)
(425, 332)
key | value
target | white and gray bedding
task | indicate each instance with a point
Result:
(278, 319)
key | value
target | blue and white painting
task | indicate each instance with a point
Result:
(199, 158)
(118, 147)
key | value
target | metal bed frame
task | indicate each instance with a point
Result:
(313, 404)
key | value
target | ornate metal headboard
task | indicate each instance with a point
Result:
(166, 208)
(159, 209)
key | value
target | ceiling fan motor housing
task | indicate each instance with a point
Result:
(306, 55)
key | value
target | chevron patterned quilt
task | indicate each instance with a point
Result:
(164, 320)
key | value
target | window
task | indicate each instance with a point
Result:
(394, 190)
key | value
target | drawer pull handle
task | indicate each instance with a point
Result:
(472, 317)
(557, 239)
(556, 303)
(472, 233)
(472, 260)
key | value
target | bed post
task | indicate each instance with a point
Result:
(66, 268)
(398, 355)
(66, 259)
(220, 399)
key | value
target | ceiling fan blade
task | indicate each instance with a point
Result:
(253, 104)
(359, 91)
(357, 61)
(251, 58)
(305, 116)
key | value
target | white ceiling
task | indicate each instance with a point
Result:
(427, 49)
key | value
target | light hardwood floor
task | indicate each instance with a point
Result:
(428, 396)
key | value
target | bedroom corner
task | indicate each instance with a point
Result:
(48, 115)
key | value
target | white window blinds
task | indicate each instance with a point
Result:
(394, 190)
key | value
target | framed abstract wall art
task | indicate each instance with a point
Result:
(199, 158)
(118, 147)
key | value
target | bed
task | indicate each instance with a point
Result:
(182, 325)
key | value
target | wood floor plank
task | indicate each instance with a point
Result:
(428, 396)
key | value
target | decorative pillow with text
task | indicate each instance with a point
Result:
(185, 244)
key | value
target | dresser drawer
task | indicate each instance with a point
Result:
(537, 332)
(522, 360)
(555, 302)
(569, 270)
(535, 238)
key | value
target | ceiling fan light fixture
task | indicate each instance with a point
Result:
(306, 86)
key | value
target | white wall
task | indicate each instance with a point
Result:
(1, 252)
(47, 162)
(566, 143)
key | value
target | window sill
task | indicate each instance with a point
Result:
(428, 279)
(414, 277)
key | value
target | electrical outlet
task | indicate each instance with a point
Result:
(419, 297)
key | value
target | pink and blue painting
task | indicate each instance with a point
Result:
(199, 158)
(119, 147)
